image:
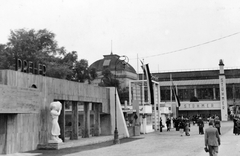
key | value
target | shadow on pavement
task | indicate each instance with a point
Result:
(65, 151)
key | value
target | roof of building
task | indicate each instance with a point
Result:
(196, 75)
(111, 62)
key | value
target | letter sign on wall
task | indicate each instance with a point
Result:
(30, 67)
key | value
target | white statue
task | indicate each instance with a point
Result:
(55, 108)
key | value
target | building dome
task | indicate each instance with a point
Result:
(110, 62)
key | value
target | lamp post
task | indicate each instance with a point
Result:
(123, 61)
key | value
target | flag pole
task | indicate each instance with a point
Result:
(177, 108)
(171, 88)
(171, 92)
(175, 95)
(143, 100)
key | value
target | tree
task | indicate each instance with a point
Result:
(3, 57)
(32, 45)
(41, 47)
(109, 80)
(83, 73)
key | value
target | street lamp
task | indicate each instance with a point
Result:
(124, 60)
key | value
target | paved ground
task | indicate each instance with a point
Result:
(153, 144)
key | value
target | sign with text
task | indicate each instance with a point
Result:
(30, 67)
(204, 105)
(223, 97)
(146, 109)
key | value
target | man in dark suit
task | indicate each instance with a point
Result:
(200, 125)
(212, 139)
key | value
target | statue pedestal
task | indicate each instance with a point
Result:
(51, 145)
(55, 139)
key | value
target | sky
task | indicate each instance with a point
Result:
(169, 35)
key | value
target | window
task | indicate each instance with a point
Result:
(186, 93)
(205, 93)
(165, 93)
(106, 62)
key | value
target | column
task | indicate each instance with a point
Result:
(223, 93)
(96, 121)
(74, 135)
(214, 93)
(155, 106)
(86, 120)
(195, 92)
(159, 100)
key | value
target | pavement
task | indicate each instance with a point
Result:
(152, 144)
(230, 145)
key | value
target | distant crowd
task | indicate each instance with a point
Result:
(183, 125)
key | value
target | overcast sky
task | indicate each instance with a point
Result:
(156, 30)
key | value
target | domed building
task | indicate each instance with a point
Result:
(112, 62)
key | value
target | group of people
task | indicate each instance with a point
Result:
(211, 134)
(181, 124)
(214, 120)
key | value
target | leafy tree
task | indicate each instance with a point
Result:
(3, 57)
(83, 73)
(109, 80)
(40, 46)
(32, 45)
(92, 73)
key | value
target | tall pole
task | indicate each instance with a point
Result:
(171, 92)
(143, 100)
(124, 62)
(116, 138)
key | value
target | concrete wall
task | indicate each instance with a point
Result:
(26, 128)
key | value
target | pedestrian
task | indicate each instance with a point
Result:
(212, 119)
(181, 126)
(235, 119)
(238, 126)
(177, 123)
(161, 126)
(168, 123)
(187, 127)
(212, 139)
(200, 125)
(174, 124)
(217, 124)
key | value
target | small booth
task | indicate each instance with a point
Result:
(146, 119)
(166, 112)
(148, 112)
(132, 120)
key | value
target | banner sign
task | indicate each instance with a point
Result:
(223, 97)
(207, 105)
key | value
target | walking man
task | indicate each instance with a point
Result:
(200, 125)
(160, 124)
(212, 139)
(168, 123)
(217, 124)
